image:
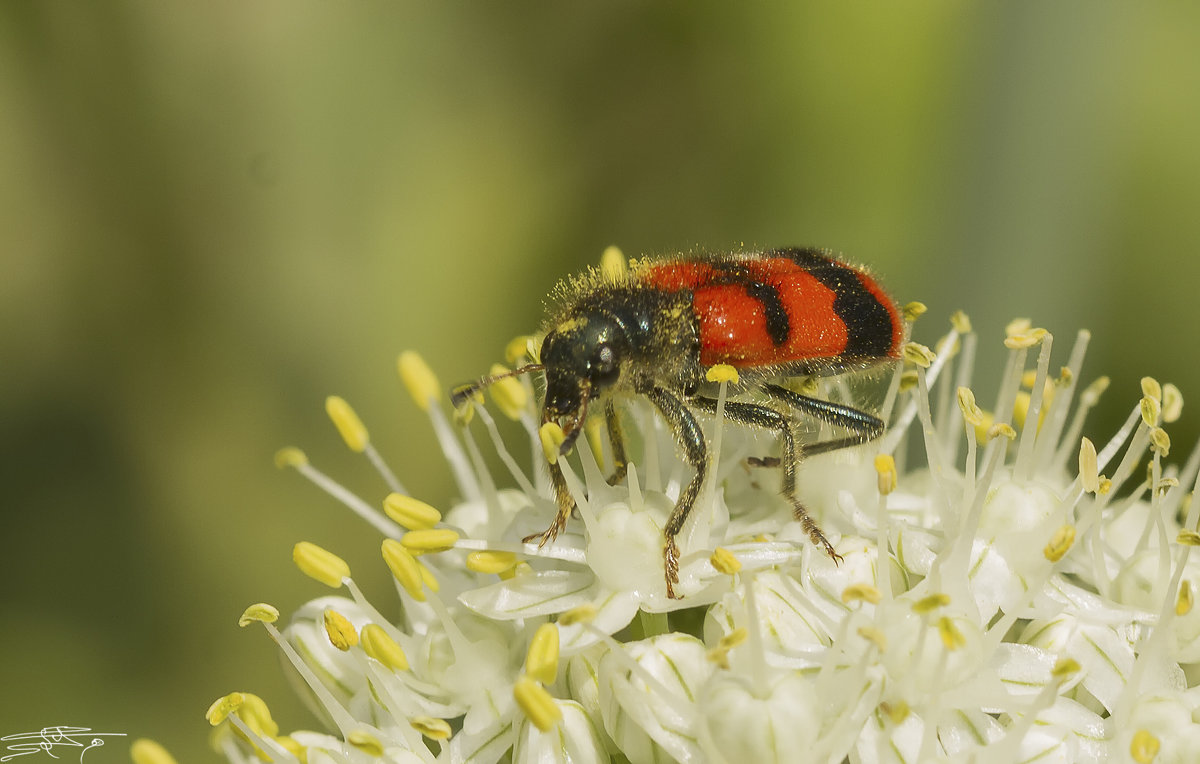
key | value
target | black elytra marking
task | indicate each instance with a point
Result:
(868, 321)
(778, 325)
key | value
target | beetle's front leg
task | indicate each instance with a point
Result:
(566, 505)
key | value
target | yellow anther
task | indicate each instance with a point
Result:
(537, 704)
(365, 742)
(613, 264)
(1025, 339)
(520, 569)
(1144, 747)
(1028, 378)
(1064, 667)
(410, 513)
(874, 636)
(593, 431)
(1089, 472)
(1001, 430)
(552, 437)
(908, 381)
(885, 471)
(258, 613)
(541, 661)
(984, 427)
(719, 656)
(1172, 403)
(404, 567)
(429, 540)
(1152, 389)
(918, 354)
(1017, 326)
(223, 707)
(1060, 543)
(464, 414)
(725, 562)
(579, 614)
(434, 729)
(1065, 377)
(971, 412)
(419, 379)
(349, 426)
(341, 632)
(961, 322)
(1188, 538)
(1160, 441)
(379, 645)
(1183, 602)
(517, 349)
(722, 372)
(1165, 485)
(895, 712)
(1021, 408)
(913, 310)
(952, 636)
(290, 457)
(490, 562)
(1151, 410)
(320, 564)
(931, 603)
(146, 751)
(860, 593)
(509, 394)
(734, 638)
(1105, 486)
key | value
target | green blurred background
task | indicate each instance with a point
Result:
(214, 214)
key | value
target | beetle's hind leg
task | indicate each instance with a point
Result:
(770, 419)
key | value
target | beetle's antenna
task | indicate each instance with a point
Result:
(460, 394)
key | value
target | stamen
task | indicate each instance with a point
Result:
(541, 661)
(378, 644)
(410, 513)
(340, 631)
(258, 613)
(320, 564)
(537, 704)
(366, 742)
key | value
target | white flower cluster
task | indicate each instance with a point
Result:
(1000, 600)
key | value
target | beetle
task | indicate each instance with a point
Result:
(658, 329)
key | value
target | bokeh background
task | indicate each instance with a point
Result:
(214, 214)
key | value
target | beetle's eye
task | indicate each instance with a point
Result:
(604, 365)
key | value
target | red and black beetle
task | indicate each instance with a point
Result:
(658, 329)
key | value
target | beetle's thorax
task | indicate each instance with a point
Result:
(620, 338)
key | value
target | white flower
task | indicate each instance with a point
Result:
(999, 600)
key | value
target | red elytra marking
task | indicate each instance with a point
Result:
(732, 324)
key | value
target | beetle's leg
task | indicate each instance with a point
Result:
(617, 439)
(770, 419)
(691, 438)
(566, 505)
(863, 426)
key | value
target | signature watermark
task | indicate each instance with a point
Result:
(54, 741)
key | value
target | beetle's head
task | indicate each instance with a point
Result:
(583, 357)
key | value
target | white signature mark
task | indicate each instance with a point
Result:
(50, 738)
